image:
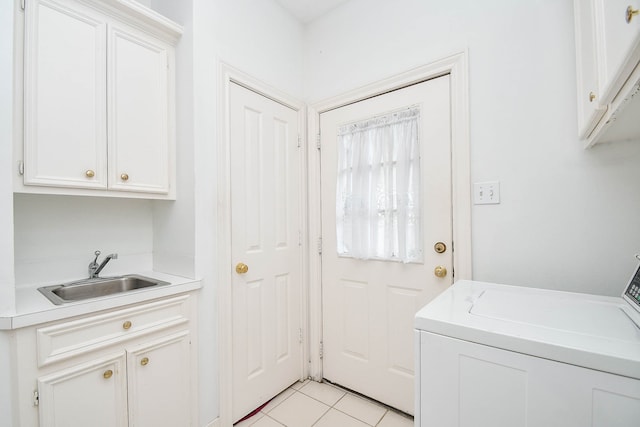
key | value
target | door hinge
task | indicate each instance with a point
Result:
(319, 245)
(318, 144)
(299, 141)
(321, 349)
(36, 398)
(300, 336)
(21, 167)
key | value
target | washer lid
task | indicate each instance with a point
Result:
(564, 312)
(584, 330)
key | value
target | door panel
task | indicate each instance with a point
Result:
(368, 305)
(265, 197)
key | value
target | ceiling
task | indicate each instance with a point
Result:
(308, 10)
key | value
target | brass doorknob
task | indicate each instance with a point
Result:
(440, 271)
(440, 247)
(242, 268)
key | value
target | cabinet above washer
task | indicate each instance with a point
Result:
(608, 69)
(99, 101)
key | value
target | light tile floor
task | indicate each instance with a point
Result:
(310, 403)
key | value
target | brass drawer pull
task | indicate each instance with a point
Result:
(126, 325)
(144, 361)
(90, 174)
(107, 374)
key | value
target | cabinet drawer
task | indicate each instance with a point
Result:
(69, 339)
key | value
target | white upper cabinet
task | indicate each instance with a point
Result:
(138, 111)
(65, 96)
(608, 70)
(99, 99)
(620, 42)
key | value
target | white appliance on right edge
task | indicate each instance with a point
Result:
(490, 355)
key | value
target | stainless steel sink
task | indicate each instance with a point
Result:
(96, 288)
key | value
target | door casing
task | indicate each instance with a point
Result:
(454, 65)
(227, 74)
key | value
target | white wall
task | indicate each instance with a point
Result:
(569, 217)
(261, 39)
(56, 236)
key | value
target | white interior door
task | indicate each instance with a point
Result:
(265, 238)
(368, 305)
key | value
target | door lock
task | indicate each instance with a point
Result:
(242, 268)
(440, 271)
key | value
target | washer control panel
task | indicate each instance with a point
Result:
(632, 293)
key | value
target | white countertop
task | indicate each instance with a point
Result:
(584, 330)
(32, 307)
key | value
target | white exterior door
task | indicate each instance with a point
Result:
(265, 238)
(368, 305)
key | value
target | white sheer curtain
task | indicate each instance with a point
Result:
(378, 188)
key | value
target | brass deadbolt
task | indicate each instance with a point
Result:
(440, 247)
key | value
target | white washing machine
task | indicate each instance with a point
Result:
(490, 355)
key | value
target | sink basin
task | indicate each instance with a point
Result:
(96, 288)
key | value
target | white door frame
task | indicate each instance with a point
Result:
(227, 74)
(454, 65)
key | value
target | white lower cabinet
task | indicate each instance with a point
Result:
(92, 394)
(158, 382)
(126, 367)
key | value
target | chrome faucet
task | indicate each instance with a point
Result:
(95, 269)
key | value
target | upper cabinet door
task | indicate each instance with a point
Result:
(139, 125)
(65, 89)
(620, 41)
(589, 108)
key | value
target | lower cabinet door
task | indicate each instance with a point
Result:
(159, 382)
(91, 394)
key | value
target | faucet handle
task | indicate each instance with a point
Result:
(97, 254)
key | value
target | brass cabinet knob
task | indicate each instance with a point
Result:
(440, 271)
(89, 173)
(124, 177)
(126, 325)
(631, 12)
(592, 96)
(107, 374)
(144, 361)
(242, 268)
(440, 247)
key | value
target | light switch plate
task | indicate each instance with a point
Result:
(486, 193)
